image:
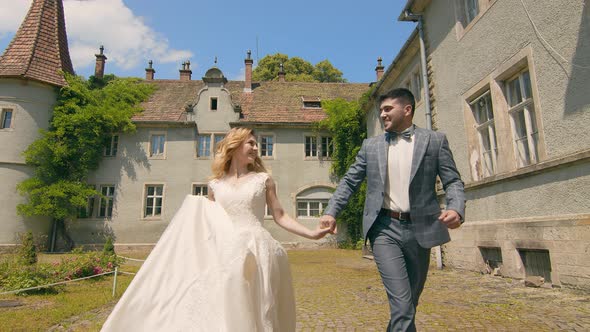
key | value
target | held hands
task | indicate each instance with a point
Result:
(319, 233)
(328, 222)
(450, 218)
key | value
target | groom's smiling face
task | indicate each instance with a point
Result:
(396, 114)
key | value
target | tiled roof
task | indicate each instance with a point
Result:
(269, 102)
(283, 101)
(168, 102)
(39, 50)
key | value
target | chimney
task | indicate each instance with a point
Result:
(149, 72)
(186, 72)
(379, 69)
(248, 79)
(100, 60)
(281, 73)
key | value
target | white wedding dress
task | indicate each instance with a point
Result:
(215, 268)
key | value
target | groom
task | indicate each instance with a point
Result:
(402, 217)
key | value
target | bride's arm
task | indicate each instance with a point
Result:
(283, 219)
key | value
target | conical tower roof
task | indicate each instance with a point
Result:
(39, 50)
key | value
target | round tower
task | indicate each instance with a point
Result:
(30, 77)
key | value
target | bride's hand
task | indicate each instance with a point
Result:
(319, 233)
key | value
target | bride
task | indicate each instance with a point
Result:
(215, 268)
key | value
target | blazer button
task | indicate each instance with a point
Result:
(382, 194)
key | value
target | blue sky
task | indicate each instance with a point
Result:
(350, 34)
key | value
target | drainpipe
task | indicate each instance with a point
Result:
(409, 16)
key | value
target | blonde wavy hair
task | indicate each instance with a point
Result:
(226, 149)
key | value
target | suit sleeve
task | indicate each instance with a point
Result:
(451, 179)
(349, 183)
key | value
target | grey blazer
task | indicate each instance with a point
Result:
(432, 157)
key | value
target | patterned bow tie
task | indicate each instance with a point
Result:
(406, 134)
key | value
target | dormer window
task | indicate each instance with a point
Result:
(213, 104)
(311, 102)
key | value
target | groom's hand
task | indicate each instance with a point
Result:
(450, 218)
(328, 221)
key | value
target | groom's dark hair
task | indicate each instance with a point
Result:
(405, 95)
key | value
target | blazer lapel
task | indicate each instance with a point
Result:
(382, 151)
(422, 138)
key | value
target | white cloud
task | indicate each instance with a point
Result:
(128, 41)
(12, 14)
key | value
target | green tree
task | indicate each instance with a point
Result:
(84, 117)
(325, 72)
(296, 69)
(346, 123)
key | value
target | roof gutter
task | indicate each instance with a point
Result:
(408, 16)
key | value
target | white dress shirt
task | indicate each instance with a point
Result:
(399, 166)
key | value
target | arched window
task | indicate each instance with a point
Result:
(312, 202)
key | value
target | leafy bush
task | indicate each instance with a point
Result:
(109, 248)
(14, 275)
(28, 251)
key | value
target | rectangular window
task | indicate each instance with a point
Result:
(311, 208)
(6, 118)
(110, 150)
(266, 146)
(88, 210)
(327, 148)
(157, 143)
(213, 103)
(470, 11)
(200, 190)
(105, 209)
(153, 200)
(311, 146)
(522, 118)
(312, 104)
(484, 117)
(217, 138)
(204, 146)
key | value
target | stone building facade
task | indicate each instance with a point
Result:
(508, 83)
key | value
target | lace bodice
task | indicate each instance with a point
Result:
(244, 201)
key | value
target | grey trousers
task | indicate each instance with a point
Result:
(403, 265)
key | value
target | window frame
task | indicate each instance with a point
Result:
(161, 155)
(489, 126)
(212, 144)
(326, 155)
(311, 102)
(213, 101)
(507, 157)
(3, 113)
(319, 153)
(145, 196)
(311, 156)
(322, 204)
(107, 200)
(89, 210)
(111, 149)
(527, 107)
(201, 185)
(461, 25)
(272, 136)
